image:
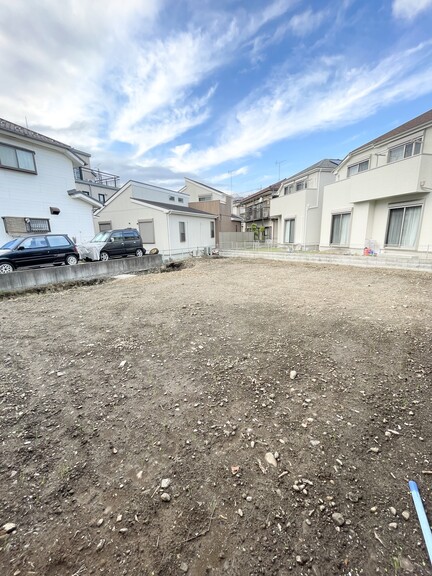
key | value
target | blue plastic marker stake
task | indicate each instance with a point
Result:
(424, 523)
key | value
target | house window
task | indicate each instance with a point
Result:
(301, 185)
(288, 189)
(212, 229)
(102, 198)
(405, 150)
(38, 225)
(403, 225)
(357, 168)
(340, 229)
(289, 231)
(204, 198)
(104, 226)
(172, 198)
(180, 200)
(146, 228)
(182, 229)
(17, 159)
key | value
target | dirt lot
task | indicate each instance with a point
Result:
(187, 377)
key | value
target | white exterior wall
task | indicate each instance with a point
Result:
(303, 205)
(26, 195)
(156, 194)
(197, 189)
(369, 194)
(197, 232)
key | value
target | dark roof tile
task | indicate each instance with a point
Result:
(27, 133)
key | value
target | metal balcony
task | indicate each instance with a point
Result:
(96, 176)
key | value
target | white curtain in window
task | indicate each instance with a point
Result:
(395, 226)
(410, 226)
(25, 160)
(289, 231)
(8, 156)
(344, 229)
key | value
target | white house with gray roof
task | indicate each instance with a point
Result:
(38, 192)
(381, 199)
(162, 216)
(296, 210)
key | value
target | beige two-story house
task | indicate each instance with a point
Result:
(381, 199)
(296, 211)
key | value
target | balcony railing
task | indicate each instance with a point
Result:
(256, 213)
(96, 176)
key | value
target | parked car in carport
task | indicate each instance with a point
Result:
(37, 250)
(113, 244)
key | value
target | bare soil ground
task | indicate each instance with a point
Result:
(107, 390)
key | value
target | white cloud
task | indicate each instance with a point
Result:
(112, 71)
(409, 9)
(328, 95)
(55, 58)
(306, 22)
(229, 175)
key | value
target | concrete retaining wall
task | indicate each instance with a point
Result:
(421, 265)
(27, 279)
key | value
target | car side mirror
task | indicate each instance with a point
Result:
(21, 248)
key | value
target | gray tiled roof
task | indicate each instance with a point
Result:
(326, 164)
(174, 207)
(27, 133)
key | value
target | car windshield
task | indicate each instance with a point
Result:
(101, 237)
(11, 244)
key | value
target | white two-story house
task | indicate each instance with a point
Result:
(296, 211)
(381, 199)
(38, 191)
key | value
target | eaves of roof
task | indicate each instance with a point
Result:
(16, 130)
(416, 123)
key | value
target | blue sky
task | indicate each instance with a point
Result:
(230, 92)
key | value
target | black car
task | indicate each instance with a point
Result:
(36, 251)
(113, 244)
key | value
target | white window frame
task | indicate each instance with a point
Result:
(409, 149)
(301, 185)
(292, 224)
(181, 200)
(358, 167)
(288, 189)
(403, 205)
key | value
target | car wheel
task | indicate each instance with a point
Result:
(139, 252)
(71, 260)
(6, 268)
(104, 256)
